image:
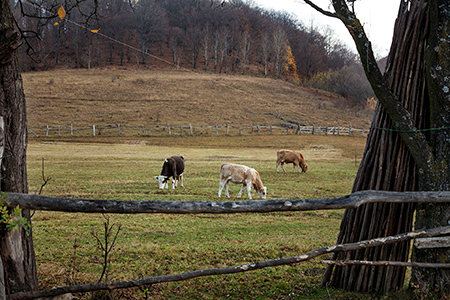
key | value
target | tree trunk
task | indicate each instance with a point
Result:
(388, 165)
(16, 247)
(431, 215)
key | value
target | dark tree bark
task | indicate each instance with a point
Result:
(387, 165)
(437, 68)
(399, 155)
(16, 247)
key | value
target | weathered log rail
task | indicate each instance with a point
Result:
(354, 200)
(38, 202)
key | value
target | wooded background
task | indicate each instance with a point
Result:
(237, 37)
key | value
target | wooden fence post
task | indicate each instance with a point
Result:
(350, 131)
(313, 129)
(271, 129)
(143, 129)
(59, 130)
(363, 132)
(168, 128)
(227, 128)
(338, 130)
(239, 129)
(47, 131)
(190, 127)
(257, 127)
(71, 129)
(181, 129)
(217, 130)
(118, 128)
(93, 130)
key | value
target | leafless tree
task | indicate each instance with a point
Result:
(279, 50)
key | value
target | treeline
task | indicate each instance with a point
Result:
(211, 35)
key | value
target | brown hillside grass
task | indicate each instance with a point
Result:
(158, 97)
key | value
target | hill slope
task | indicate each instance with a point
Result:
(155, 97)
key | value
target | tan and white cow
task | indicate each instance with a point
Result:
(244, 175)
(291, 157)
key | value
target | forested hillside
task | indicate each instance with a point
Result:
(205, 35)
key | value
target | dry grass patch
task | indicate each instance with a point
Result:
(150, 97)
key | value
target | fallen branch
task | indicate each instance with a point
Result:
(386, 263)
(39, 202)
(230, 270)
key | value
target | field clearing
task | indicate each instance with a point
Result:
(159, 244)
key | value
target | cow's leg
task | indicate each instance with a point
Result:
(249, 188)
(298, 168)
(181, 180)
(278, 163)
(282, 166)
(221, 184)
(174, 182)
(240, 192)
(226, 188)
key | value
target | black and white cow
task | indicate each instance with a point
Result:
(172, 167)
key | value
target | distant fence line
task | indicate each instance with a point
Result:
(180, 130)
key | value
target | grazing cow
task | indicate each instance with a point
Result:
(172, 167)
(244, 175)
(291, 157)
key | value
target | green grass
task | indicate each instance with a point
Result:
(160, 244)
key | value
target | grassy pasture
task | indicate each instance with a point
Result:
(158, 244)
(112, 167)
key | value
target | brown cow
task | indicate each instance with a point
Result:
(291, 157)
(241, 175)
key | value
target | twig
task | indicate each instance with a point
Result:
(45, 179)
(106, 248)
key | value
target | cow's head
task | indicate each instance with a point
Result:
(262, 193)
(162, 180)
(304, 167)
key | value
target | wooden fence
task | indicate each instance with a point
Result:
(132, 130)
(37, 202)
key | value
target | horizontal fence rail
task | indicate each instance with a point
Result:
(38, 202)
(354, 200)
(132, 130)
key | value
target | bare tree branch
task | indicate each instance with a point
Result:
(231, 270)
(322, 11)
(401, 117)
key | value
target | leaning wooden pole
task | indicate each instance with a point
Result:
(387, 165)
